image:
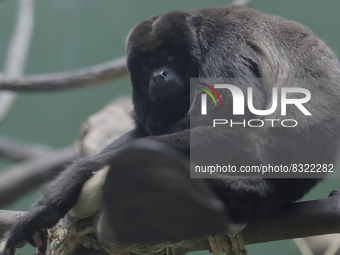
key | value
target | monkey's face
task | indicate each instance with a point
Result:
(163, 76)
(161, 87)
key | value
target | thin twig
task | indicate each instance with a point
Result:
(68, 80)
(17, 52)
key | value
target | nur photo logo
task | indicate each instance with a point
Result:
(242, 100)
(204, 97)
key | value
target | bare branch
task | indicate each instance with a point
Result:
(297, 220)
(18, 51)
(17, 150)
(68, 80)
(7, 220)
(293, 221)
(19, 178)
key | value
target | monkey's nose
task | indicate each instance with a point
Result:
(160, 74)
(163, 73)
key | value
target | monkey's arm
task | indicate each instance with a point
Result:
(58, 198)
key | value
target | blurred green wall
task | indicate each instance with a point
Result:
(72, 34)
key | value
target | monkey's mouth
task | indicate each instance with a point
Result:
(165, 94)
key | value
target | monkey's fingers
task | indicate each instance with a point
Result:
(42, 247)
(39, 239)
(10, 244)
(14, 239)
(27, 229)
(6, 250)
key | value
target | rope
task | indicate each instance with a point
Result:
(71, 238)
(221, 243)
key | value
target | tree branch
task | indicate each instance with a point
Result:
(293, 221)
(22, 177)
(67, 80)
(297, 220)
(8, 219)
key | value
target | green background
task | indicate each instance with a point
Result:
(71, 34)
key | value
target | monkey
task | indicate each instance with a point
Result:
(234, 42)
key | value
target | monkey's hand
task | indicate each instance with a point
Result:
(59, 197)
(31, 228)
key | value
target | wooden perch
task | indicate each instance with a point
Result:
(8, 219)
(293, 221)
(67, 80)
(297, 220)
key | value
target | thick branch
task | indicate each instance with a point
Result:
(20, 178)
(7, 220)
(293, 221)
(296, 220)
(68, 80)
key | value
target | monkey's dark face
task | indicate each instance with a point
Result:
(161, 86)
(163, 76)
(167, 77)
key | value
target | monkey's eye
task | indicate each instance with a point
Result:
(147, 65)
(172, 57)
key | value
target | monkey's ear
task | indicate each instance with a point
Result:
(149, 197)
